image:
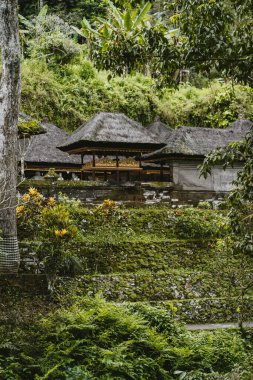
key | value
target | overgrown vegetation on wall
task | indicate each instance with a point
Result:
(132, 258)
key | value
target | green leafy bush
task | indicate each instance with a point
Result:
(215, 106)
(94, 339)
(54, 48)
(51, 224)
(71, 94)
(205, 205)
(204, 223)
(68, 97)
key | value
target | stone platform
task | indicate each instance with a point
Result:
(92, 193)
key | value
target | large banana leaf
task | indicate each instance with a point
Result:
(140, 17)
(128, 22)
(43, 12)
(117, 15)
(86, 27)
(82, 33)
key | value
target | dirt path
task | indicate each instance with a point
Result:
(216, 326)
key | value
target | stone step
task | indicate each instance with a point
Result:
(132, 256)
(26, 283)
(156, 286)
(209, 310)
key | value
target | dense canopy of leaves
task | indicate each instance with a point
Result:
(195, 34)
(93, 339)
(71, 11)
(174, 39)
(220, 34)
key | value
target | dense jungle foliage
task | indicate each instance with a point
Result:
(72, 336)
(94, 339)
(70, 95)
(61, 84)
(68, 76)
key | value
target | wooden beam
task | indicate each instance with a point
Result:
(140, 166)
(93, 165)
(117, 165)
(82, 165)
(161, 173)
(113, 169)
(110, 151)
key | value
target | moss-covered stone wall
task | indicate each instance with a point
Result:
(174, 258)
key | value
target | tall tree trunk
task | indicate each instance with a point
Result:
(9, 110)
(40, 4)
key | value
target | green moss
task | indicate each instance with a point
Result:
(209, 310)
(155, 286)
(31, 127)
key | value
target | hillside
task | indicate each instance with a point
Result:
(126, 277)
(60, 82)
(69, 95)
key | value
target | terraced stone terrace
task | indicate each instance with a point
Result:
(177, 259)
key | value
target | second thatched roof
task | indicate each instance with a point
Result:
(197, 141)
(113, 130)
(42, 149)
(160, 130)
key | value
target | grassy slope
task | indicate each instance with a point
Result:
(71, 94)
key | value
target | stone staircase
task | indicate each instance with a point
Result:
(193, 278)
(187, 277)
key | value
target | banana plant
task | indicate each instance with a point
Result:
(29, 27)
(131, 40)
(122, 34)
(128, 23)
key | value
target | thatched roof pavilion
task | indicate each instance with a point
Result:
(192, 142)
(160, 130)
(40, 151)
(111, 133)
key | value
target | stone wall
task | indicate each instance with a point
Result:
(24, 282)
(132, 194)
(186, 177)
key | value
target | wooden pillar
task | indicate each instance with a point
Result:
(161, 173)
(140, 167)
(82, 166)
(93, 165)
(171, 173)
(117, 165)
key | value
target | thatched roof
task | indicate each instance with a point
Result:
(241, 126)
(43, 148)
(113, 130)
(160, 130)
(197, 141)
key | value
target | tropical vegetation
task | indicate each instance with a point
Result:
(119, 279)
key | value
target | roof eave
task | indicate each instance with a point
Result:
(91, 147)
